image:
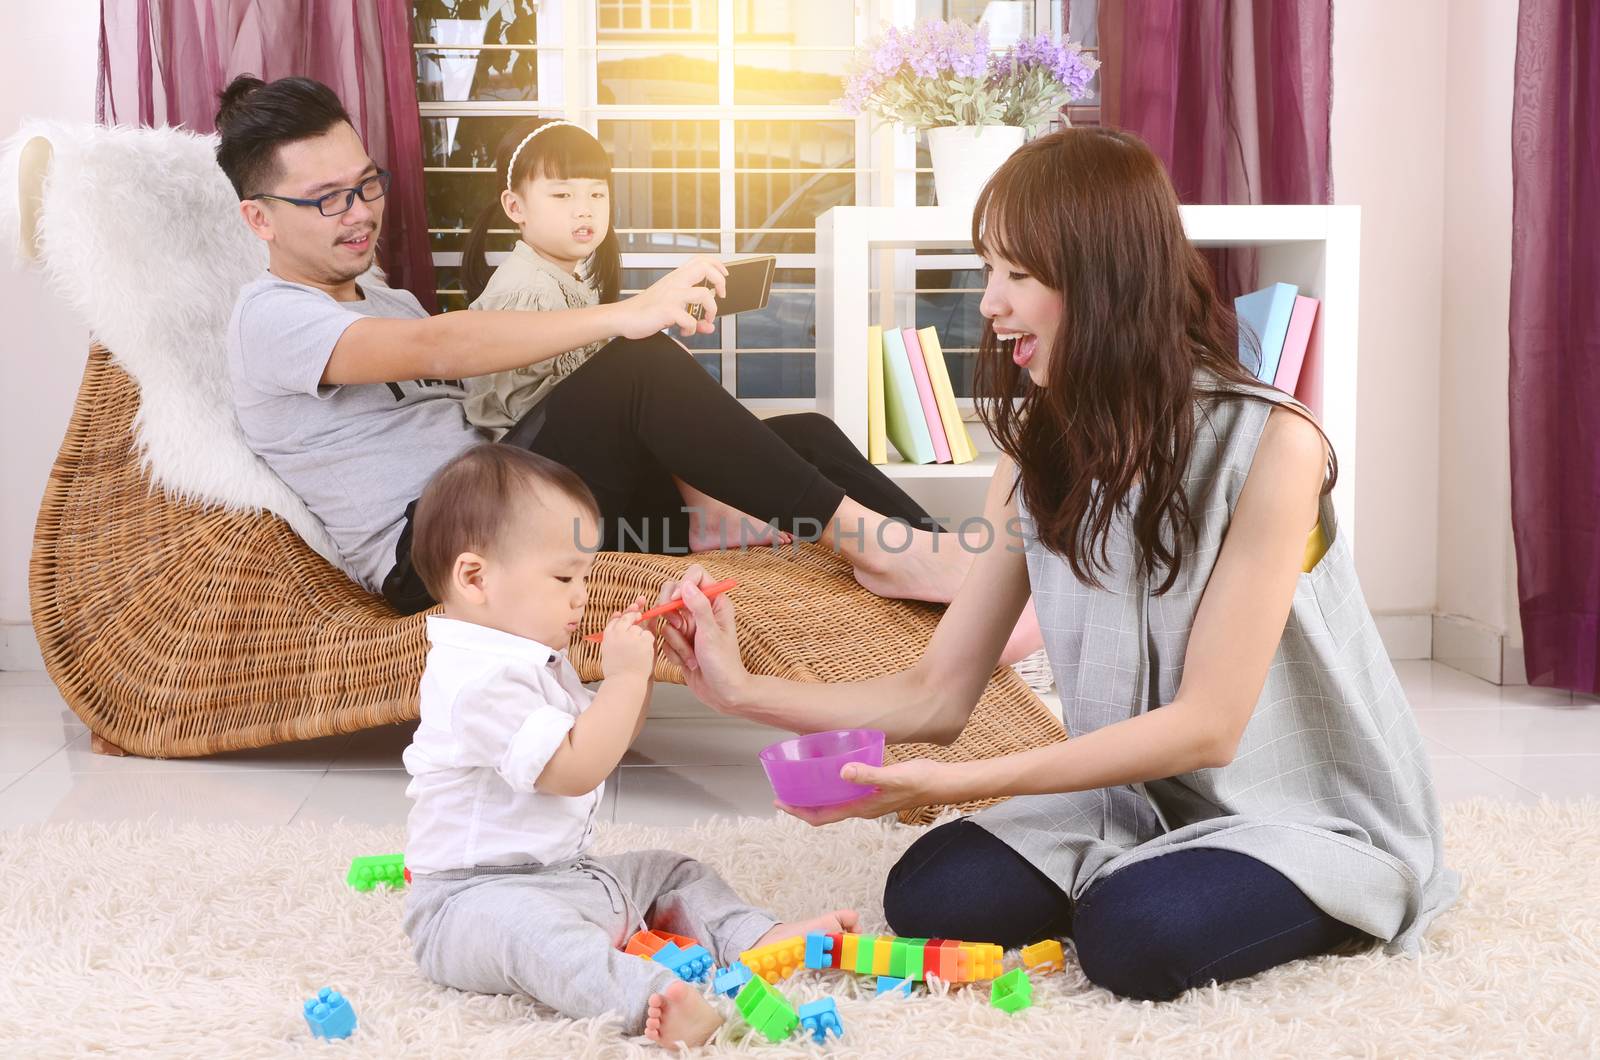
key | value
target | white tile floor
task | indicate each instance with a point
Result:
(1513, 743)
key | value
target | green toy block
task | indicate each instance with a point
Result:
(367, 872)
(914, 959)
(1012, 992)
(767, 1010)
(864, 952)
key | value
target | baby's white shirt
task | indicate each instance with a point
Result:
(495, 708)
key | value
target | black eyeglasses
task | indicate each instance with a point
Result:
(340, 200)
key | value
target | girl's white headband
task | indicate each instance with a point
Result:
(511, 167)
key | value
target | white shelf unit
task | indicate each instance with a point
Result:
(1316, 247)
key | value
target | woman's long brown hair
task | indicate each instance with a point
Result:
(1091, 213)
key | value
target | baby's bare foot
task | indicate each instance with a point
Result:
(680, 1016)
(828, 924)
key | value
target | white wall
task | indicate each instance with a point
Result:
(49, 65)
(1388, 158)
(1476, 568)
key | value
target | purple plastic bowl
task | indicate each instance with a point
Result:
(805, 771)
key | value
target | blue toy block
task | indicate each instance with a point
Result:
(329, 1015)
(731, 980)
(818, 949)
(889, 985)
(821, 1018)
(691, 965)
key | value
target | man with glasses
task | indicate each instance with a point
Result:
(347, 388)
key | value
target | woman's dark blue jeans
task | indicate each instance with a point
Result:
(1149, 931)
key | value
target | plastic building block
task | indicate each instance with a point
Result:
(905, 958)
(882, 954)
(1043, 957)
(821, 1018)
(865, 948)
(988, 960)
(890, 985)
(820, 949)
(692, 965)
(835, 949)
(1012, 992)
(766, 1010)
(914, 958)
(647, 943)
(776, 960)
(848, 945)
(730, 980)
(408, 875)
(367, 872)
(329, 1015)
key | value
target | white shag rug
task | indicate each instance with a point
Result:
(200, 940)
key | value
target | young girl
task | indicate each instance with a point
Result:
(674, 460)
(1245, 783)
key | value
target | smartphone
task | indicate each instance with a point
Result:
(748, 283)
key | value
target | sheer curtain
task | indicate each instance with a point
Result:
(1555, 339)
(162, 62)
(1233, 95)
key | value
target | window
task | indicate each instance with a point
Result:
(719, 119)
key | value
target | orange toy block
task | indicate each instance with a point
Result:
(988, 959)
(646, 943)
(1043, 957)
(776, 960)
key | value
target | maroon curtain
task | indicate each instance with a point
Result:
(1233, 95)
(1555, 339)
(162, 62)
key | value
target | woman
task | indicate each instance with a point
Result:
(1244, 784)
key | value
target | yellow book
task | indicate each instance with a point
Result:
(955, 431)
(877, 436)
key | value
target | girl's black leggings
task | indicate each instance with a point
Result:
(643, 410)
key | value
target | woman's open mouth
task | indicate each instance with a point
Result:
(583, 235)
(1023, 346)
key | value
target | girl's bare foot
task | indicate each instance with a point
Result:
(679, 1015)
(828, 924)
(714, 525)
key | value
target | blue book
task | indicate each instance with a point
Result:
(906, 424)
(1266, 313)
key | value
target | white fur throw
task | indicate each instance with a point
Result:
(140, 234)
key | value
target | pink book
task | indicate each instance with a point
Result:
(930, 408)
(1295, 343)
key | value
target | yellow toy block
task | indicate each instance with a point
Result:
(881, 954)
(847, 951)
(988, 960)
(776, 960)
(1043, 957)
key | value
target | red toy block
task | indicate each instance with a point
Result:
(837, 951)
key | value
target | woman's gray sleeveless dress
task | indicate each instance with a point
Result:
(1330, 784)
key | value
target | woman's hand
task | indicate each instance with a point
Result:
(919, 782)
(701, 638)
(665, 303)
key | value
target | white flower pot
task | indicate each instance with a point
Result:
(966, 156)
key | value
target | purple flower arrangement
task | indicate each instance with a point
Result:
(944, 73)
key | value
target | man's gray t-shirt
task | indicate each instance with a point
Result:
(356, 454)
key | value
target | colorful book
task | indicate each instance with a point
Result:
(903, 418)
(877, 446)
(1266, 312)
(1295, 343)
(930, 407)
(955, 431)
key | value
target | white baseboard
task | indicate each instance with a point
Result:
(1468, 645)
(19, 650)
(1406, 635)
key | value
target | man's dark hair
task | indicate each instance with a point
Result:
(256, 118)
(473, 501)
